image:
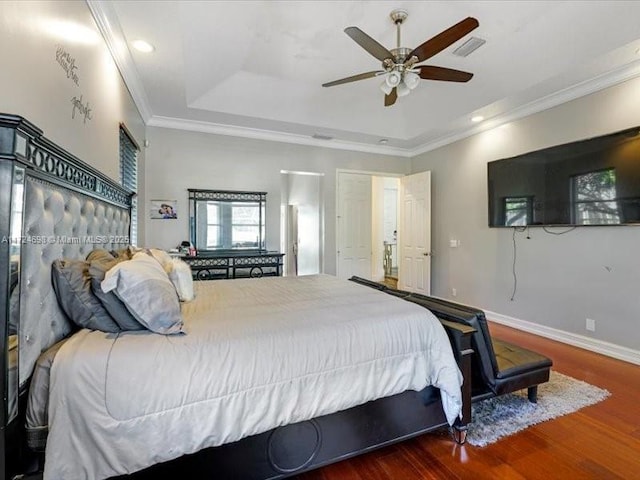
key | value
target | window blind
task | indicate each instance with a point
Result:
(129, 177)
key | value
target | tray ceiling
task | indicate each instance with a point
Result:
(255, 69)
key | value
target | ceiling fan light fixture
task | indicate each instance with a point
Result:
(411, 79)
(393, 79)
(385, 88)
(403, 89)
(400, 65)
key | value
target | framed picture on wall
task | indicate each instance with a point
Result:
(163, 209)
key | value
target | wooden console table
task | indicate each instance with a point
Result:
(224, 265)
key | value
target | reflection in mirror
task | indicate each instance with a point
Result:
(17, 202)
(224, 220)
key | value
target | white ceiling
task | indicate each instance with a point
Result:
(255, 69)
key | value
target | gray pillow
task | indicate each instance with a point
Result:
(72, 284)
(145, 289)
(116, 308)
(100, 261)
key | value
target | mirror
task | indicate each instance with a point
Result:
(12, 348)
(221, 221)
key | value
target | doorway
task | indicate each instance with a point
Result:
(389, 194)
(301, 220)
(384, 228)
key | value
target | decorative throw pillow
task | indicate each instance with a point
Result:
(182, 279)
(72, 285)
(100, 261)
(145, 289)
(163, 258)
(124, 253)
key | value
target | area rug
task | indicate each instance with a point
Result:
(507, 414)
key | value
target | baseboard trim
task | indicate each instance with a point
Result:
(591, 344)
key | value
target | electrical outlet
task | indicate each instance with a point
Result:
(454, 292)
(591, 325)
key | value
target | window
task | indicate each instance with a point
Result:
(518, 211)
(593, 198)
(129, 176)
(214, 224)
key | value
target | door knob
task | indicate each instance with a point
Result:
(427, 254)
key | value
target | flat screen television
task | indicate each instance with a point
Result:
(589, 182)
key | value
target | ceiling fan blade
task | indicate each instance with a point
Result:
(427, 72)
(353, 78)
(391, 98)
(368, 43)
(441, 41)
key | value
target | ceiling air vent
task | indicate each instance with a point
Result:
(469, 46)
(319, 136)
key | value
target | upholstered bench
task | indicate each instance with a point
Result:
(498, 367)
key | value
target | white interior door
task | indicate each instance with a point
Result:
(414, 234)
(354, 225)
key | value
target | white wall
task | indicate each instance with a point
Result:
(589, 272)
(178, 160)
(33, 35)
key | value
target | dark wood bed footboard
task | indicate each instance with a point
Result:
(299, 447)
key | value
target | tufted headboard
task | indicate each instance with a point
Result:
(52, 205)
(61, 223)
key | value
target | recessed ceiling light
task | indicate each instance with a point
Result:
(477, 118)
(142, 46)
(383, 141)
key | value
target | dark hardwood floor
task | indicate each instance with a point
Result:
(598, 442)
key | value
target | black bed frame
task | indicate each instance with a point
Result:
(281, 452)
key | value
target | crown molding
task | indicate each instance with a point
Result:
(109, 26)
(582, 89)
(273, 136)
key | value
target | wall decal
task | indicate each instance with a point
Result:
(68, 64)
(83, 108)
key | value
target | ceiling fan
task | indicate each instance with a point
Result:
(399, 64)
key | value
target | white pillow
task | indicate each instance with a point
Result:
(145, 289)
(163, 258)
(180, 276)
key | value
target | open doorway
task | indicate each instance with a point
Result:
(370, 208)
(367, 225)
(301, 220)
(385, 229)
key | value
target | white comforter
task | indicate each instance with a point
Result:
(258, 353)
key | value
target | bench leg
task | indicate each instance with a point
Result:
(532, 394)
(459, 433)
